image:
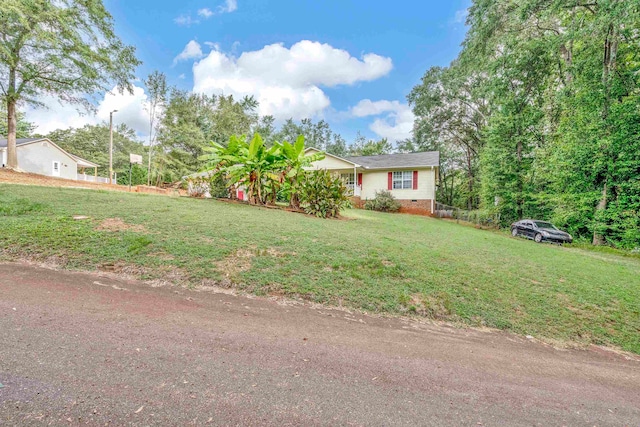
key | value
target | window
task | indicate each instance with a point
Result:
(403, 180)
(349, 179)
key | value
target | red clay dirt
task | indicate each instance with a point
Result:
(12, 177)
(83, 349)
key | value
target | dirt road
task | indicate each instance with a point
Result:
(79, 349)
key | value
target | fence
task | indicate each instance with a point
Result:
(478, 217)
(91, 178)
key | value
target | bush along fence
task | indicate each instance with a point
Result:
(478, 217)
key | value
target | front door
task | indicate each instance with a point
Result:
(56, 168)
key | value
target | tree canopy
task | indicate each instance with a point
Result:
(64, 48)
(541, 111)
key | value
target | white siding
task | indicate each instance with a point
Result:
(373, 181)
(330, 163)
(37, 158)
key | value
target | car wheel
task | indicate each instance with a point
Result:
(514, 232)
(538, 238)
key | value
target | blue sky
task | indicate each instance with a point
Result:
(349, 62)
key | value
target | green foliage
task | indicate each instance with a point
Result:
(76, 43)
(323, 194)
(11, 205)
(138, 176)
(383, 202)
(541, 113)
(156, 84)
(91, 142)
(189, 122)
(264, 171)
(24, 128)
(451, 109)
(364, 147)
(205, 185)
(317, 135)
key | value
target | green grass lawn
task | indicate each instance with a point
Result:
(387, 263)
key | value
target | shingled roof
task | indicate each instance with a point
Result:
(20, 141)
(402, 160)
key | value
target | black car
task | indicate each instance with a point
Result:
(540, 231)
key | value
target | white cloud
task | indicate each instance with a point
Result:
(130, 111)
(286, 81)
(396, 122)
(461, 16)
(182, 76)
(185, 21)
(212, 45)
(229, 6)
(192, 50)
(206, 13)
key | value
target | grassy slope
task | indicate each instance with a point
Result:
(376, 262)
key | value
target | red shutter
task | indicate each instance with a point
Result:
(360, 179)
(390, 181)
(415, 180)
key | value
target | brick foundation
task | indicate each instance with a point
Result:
(418, 207)
(356, 202)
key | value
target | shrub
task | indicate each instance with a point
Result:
(198, 187)
(206, 186)
(323, 194)
(383, 202)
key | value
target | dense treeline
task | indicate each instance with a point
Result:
(539, 115)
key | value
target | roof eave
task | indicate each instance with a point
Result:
(400, 167)
(333, 155)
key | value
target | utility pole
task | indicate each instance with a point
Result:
(111, 146)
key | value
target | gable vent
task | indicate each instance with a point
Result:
(45, 144)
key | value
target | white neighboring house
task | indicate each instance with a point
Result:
(410, 177)
(44, 157)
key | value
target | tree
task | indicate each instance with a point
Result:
(63, 48)
(317, 135)
(544, 100)
(24, 129)
(295, 161)
(156, 84)
(451, 111)
(91, 142)
(190, 121)
(364, 147)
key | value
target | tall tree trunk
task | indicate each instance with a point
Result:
(151, 120)
(598, 239)
(149, 169)
(519, 196)
(12, 155)
(470, 180)
(609, 66)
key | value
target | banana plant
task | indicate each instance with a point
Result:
(252, 164)
(296, 160)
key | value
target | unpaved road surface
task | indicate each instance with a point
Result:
(78, 349)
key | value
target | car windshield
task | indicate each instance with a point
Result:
(542, 224)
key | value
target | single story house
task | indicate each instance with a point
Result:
(44, 157)
(410, 177)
